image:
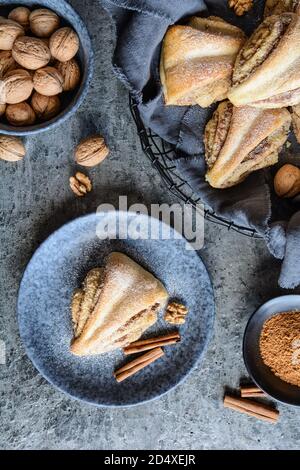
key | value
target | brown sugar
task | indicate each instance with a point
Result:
(280, 346)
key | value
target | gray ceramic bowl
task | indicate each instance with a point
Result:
(70, 101)
(260, 373)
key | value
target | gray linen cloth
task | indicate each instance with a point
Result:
(140, 26)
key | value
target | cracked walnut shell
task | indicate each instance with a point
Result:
(80, 184)
(64, 44)
(48, 81)
(240, 7)
(20, 114)
(9, 32)
(176, 313)
(11, 148)
(16, 87)
(31, 53)
(91, 151)
(44, 22)
(45, 107)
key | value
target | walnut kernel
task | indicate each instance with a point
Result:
(80, 184)
(176, 313)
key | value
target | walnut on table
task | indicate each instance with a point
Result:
(80, 184)
(176, 313)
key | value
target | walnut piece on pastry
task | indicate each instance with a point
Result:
(267, 69)
(276, 7)
(197, 61)
(241, 140)
(296, 121)
(115, 306)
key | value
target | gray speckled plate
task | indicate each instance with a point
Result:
(60, 265)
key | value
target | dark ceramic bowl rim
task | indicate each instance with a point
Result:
(278, 396)
(187, 373)
(77, 100)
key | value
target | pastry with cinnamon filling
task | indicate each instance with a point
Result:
(115, 306)
(197, 61)
(267, 69)
(239, 141)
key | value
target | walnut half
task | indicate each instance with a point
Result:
(176, 313)
(80, 184)
(240, 7)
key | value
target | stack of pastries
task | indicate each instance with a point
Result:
(256, 81)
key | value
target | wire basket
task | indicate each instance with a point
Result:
(159, 152)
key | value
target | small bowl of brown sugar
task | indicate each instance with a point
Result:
(272, 348)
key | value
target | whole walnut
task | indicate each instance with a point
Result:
(17, 86)
(287, 181)
(45, 107)
(11, 148)
(9, 32)
(21, 16)
(64, 44)
(91, 151)
(31, 53)
(44, 22)
(20, 114)
(48, 81)
(71, 74)
(7, 62)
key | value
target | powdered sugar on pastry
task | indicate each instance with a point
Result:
(127, 303)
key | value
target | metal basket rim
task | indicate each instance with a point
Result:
(167, 173)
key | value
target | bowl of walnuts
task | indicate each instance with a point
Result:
(46, 64)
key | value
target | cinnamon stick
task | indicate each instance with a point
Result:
(138, 364)
(151, 343)
(251, 391)
(252, 408)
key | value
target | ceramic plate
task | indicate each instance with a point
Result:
(260, 373)
(60, 265)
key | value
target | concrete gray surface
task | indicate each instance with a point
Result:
(35, 199)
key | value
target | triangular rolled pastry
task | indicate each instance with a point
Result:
(267, 69)
(116, 305)
(276, 7)
(197, 61)
(239, 141)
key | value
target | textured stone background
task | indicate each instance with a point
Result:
(35, 199)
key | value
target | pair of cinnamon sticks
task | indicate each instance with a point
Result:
(251, 407)
(155, 351)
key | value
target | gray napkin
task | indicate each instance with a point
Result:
(140, 28)
(290, 272)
